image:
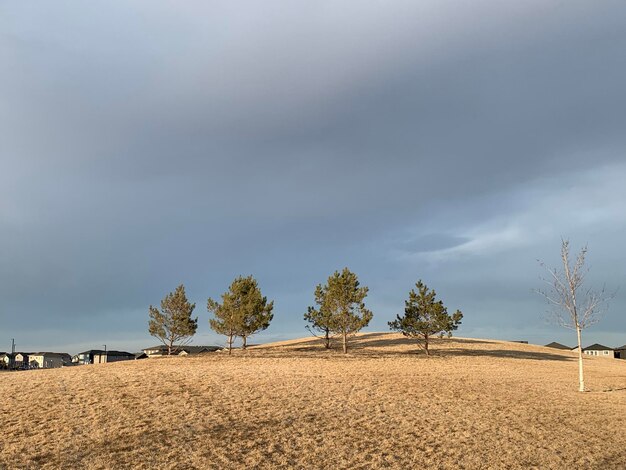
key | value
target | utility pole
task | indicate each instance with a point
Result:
(106, 358)
(12, 358)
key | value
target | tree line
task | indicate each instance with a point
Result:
(339, 311)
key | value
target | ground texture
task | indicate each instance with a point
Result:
(474, 404)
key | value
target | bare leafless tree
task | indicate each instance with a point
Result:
(572, 305)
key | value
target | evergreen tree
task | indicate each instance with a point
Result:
(226, 320)
(341, 307)
(424, 316)
(243, 312)
(319, 318)
(173, 324)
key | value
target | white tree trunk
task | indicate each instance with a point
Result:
(581, 378)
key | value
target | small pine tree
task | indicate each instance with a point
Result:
(319, 318)
(341, 307)
(424, 316)
(226, 321)
(173, 324)
(243, 312)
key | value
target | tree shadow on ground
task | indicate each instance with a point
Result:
(380, 345)
(368, 340)
(506, 354)
(363, 342)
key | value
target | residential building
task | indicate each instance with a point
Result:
(161, 350)
(599, 350)
(97, 356)
(14, 361)
(6, 359)
(556, 345)
(48, 360)
(620, 353)
(21, 360)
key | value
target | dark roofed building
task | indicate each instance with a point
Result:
(49, 360)
(161, 350)
(6, 360)
(599, 350)
(620, 353)
(556, 345)
(18, 360)
(98, 356)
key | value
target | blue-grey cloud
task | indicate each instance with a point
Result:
(144, 145)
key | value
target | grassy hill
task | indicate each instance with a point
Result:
(475, 404)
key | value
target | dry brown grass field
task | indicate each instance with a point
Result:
(474, 404)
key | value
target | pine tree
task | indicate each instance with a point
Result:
(425, 316)
(243, 312)
(341, 307)
(226, 321)
(173, 324)
(319, 318)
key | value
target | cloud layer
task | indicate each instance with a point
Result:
(144, 144)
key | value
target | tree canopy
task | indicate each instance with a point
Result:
(425, 316)
(172, 324)
(341, 308)
(319, 319)
(243, 311)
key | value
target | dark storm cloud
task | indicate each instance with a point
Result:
(144, 145)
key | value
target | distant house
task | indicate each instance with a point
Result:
(141, 355)
(599, 350)
(48, 360)
(620, 353)
(21, 360)
(14, 361)
(559, 346)
(161, 350)
(6, 359)
(97, 356)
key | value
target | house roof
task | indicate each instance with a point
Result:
(51, 354)
(107, 352)
(622, 347)
(597, 347)
(556, 345)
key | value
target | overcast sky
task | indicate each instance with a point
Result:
(144, 144)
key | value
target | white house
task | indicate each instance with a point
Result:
(599, 350)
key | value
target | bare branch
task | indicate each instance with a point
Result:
(571, 307)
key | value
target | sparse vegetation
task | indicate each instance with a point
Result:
(474, 404)
(425, 317)
(173, 324)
